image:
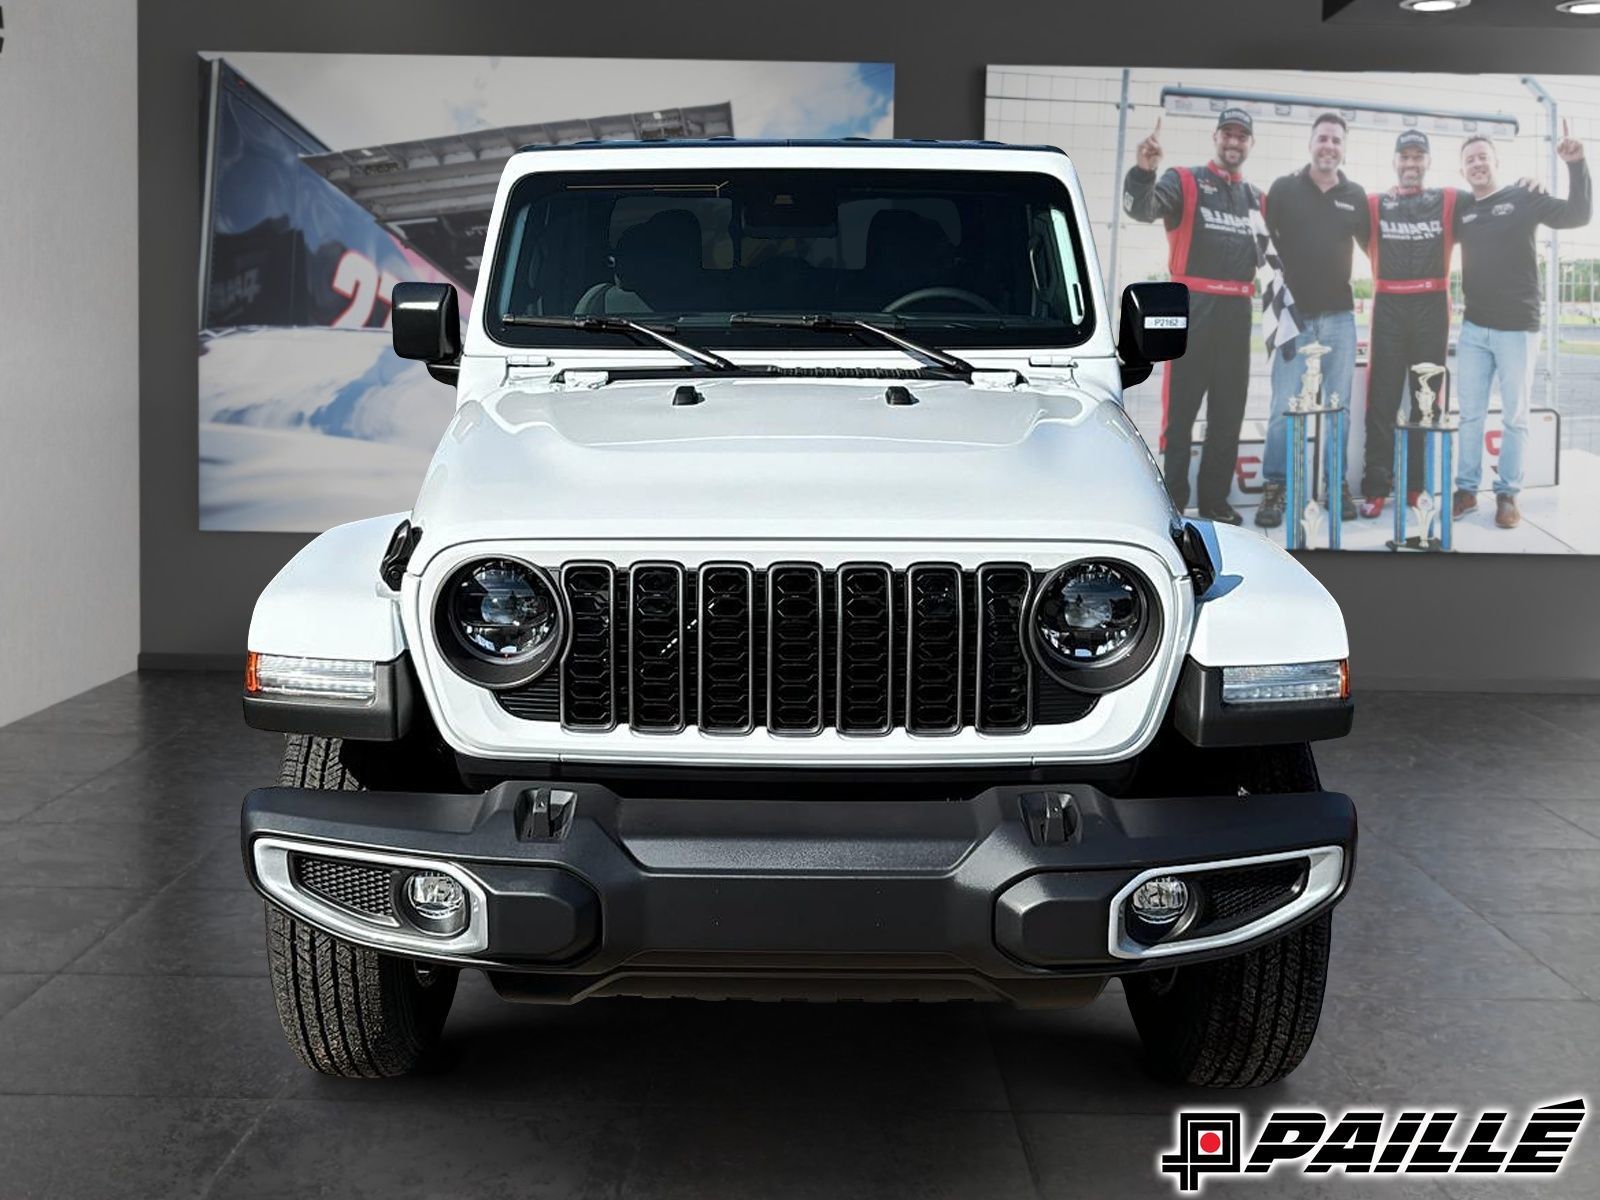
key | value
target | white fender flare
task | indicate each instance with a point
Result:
(1263, 607)
(328, 601)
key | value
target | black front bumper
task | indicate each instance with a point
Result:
(600, 893)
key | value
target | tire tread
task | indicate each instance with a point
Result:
(345, 1009)
(1250, 1019)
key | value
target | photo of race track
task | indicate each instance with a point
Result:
(1099, 115)
(329, 178)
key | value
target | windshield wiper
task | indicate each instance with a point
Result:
(940, 359)
(595, 323)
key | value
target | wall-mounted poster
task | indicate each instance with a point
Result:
(1394, 282)
(328, 178)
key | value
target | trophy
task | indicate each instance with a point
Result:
(1423, 392)
(1436, 424)
(1423, 512)
(1312, 518)
(1311, 381)
(1306, 518)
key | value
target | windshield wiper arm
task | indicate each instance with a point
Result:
(941, 359)
(596, 323)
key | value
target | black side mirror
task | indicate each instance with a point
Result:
(1155, 327)
(425, 319)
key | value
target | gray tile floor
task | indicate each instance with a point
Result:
(139, 1053)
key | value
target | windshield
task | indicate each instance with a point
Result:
(953, 258)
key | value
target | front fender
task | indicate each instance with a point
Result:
(1263, 607)
(328, 601)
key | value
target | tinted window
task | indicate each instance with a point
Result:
(966, 258)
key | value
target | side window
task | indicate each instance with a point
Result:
(1058, 288)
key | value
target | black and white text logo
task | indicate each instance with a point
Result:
(1374, 1141)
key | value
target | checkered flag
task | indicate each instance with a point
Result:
(1280, 323)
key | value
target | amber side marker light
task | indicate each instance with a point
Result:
(252, 668)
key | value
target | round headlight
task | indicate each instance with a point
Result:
(1094, 625)
(500, 622)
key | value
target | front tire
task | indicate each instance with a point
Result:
(1237, 1022)
(345, 1009)
(1247, 1020)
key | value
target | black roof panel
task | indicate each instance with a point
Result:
(871, 143)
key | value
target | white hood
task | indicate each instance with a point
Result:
(806, 459)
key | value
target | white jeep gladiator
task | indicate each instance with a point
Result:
(791, 610)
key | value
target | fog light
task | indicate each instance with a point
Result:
(1160, 901)
(437, 903)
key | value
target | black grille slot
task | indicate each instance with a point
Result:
(865, 669)
(1057, 704)
(356, 886)
(1238, 895)
(727, 648)
(794, 648)
(588, 679)
(536, 701)
(657, 696)
(797, 648)
(934, 648)
(1004, 697)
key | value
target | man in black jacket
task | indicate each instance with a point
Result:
(1413, 235)
(1212, 249)
(1500, 333)
(1315, 217)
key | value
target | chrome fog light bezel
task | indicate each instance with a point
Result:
(271, 857)
(1324, 882)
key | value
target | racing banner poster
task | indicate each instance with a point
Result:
(329, 178)
(1394, 292)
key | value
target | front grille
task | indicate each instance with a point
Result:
(795, 648)
(356, 886)
(727, 664)
(865, 685)
(657, 693)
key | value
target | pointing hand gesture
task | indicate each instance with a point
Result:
(1149, 151)
(1568, 149)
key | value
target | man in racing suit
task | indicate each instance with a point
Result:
(1212, 249)
(1412, 240)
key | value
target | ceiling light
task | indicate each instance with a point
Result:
(1434, 6)
(1580, 8)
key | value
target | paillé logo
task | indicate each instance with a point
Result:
(1357, 1143)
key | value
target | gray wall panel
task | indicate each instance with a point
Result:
(1451, 624)
(69, 349)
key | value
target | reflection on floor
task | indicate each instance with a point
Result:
(140, 1055)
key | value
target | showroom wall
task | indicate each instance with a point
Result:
(69, 350)
(1434, 621)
